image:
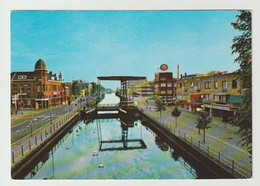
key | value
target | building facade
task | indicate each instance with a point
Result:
(217, 92)
(38, 88)
(165, 87)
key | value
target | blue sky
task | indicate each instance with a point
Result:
(87, 44)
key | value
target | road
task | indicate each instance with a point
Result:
(23, 128)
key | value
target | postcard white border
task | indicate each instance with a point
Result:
(7, 5)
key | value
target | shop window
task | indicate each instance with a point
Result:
(169, 84)
(207, 96)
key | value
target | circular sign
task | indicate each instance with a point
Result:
(164, 67)
(30, 115)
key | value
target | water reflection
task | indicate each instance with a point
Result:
(112, 149)
(127, 144)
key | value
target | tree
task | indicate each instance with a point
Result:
(242, 45)
(75, 88)
(176, 113)
(202, 123)
(160, 107)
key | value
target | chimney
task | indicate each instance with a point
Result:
(181, 76)
(178, 71)
(185, 74)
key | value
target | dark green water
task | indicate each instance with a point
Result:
(73, 157)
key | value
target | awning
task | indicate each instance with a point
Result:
(195, 96)
(188, 103)
(235, 99)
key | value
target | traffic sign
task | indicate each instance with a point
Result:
(30, 115)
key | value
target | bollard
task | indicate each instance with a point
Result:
(233, 166)
(22, 149)
(13, 156)
(219, 157)
(208, 150)
(29, 145)
(41, 136)
(199, 145)
(35, 140)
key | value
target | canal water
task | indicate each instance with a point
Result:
(107, 149)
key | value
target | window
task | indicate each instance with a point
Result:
(180, 85)
(207, 85)
(44, 88)
(215, 84)
(207, 96)
(21, 88)
(15, 88)
(22, 77)
(215, 97)
(198, 83)
(163, 84)
(191, 84)
(223, 98)
(38, 88)
(224, 85)
(169, 91)
(175, 84)
(169, 84)
(163, 92)
(29, 88)
(234, 84)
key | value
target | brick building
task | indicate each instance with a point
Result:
(38, 88)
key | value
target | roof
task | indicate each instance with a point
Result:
(235, 99)
(29, 76)
(40, 65)
(121, 78)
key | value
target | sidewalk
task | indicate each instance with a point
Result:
(222, 137)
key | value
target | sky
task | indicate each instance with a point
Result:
(87, 44)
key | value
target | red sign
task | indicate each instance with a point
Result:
(30, 115)
(164, 67)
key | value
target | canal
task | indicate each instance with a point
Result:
(108, 149)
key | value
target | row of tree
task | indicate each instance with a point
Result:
(90, 88)
(203, 119)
